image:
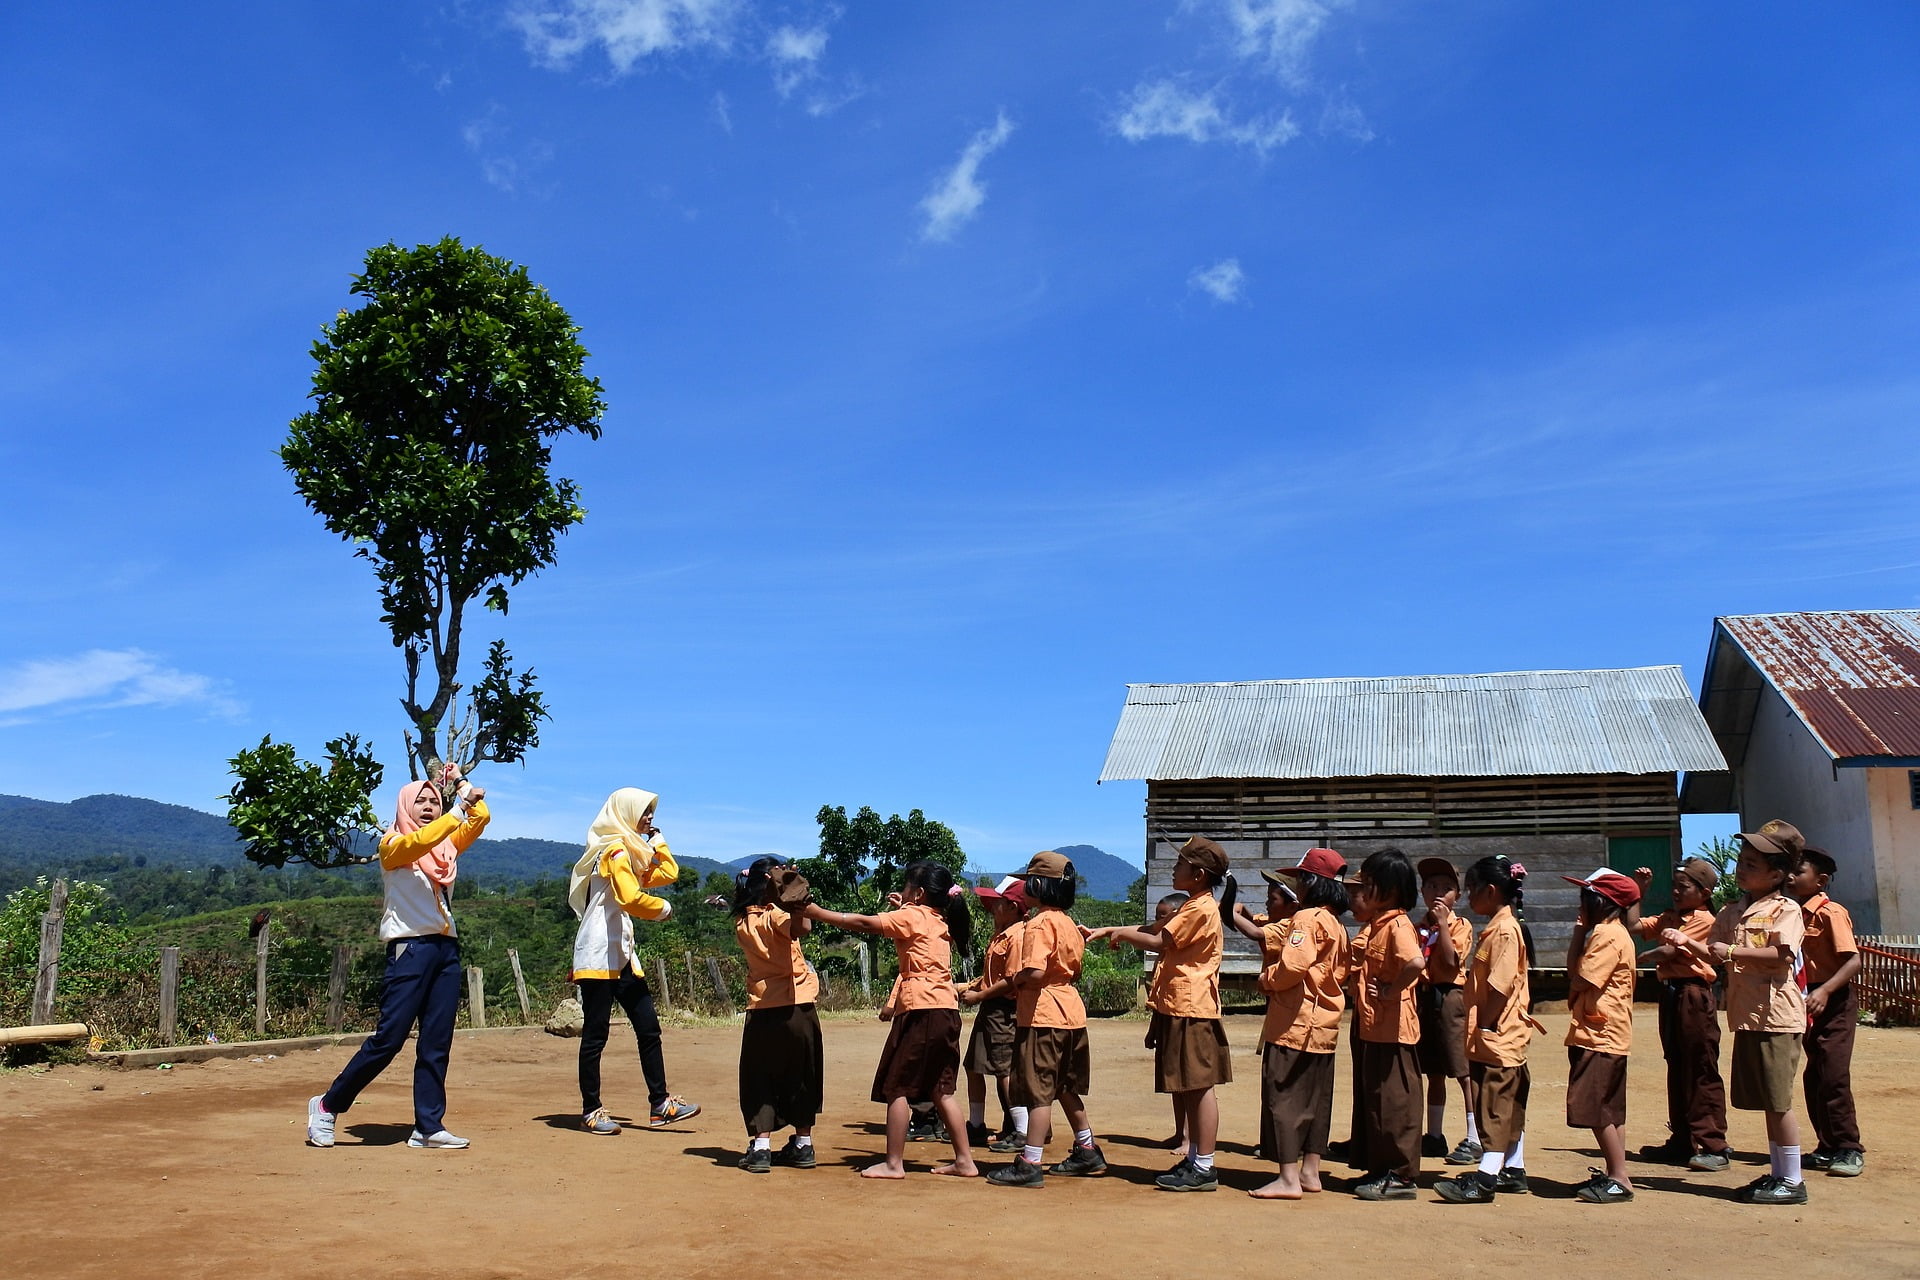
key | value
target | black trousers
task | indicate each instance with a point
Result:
(422, 985)
(596, 1001)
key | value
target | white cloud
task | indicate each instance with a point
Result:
(505, 165)
(1162, 109)
(957, 197)
(1280, 33)
(721, 112)
(1224, 281)
(628, 30)
(1342, 119)
(103, 679)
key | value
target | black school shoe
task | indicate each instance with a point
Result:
(1081, 1162)
(1672, 1151)
(1512, 1181)
(757, 1160)
(1433, 1146)
(1018, 1174)
(1819, 1158)
(1772, 1190)
(929, 1129)
(1468, 1188)
(795, 1156)
(1468, 1152)
(1601, 1189)
(1187, 1176)
(1006, 1140)
(978, 1135)
(1386, 1186)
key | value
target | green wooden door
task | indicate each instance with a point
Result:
(1628, 853)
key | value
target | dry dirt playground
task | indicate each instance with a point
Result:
(201, 1171)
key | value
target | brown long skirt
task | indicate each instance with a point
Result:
(780, 1068)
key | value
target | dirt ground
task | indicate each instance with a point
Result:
(201, 1171)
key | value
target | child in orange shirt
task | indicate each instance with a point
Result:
(990, 1046)
(1385, 971)
(1446, 939)
(1832, 958)
(922, 1054)
(1600, 1027)
(1689, 1023)
(1050, 1058)
(780, 1054)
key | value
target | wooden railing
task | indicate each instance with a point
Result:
(1888, 983)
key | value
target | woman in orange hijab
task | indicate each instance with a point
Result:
(417, 863)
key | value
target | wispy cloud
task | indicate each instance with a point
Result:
(1280, 34)
(507, 165)
(1224, 281)
(102, 679)
(627, 30)
(795, 55)
(1162, 109)
(956, 198)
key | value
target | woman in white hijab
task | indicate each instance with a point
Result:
(625, 856)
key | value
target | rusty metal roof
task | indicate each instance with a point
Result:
(1510, 724)
(1853, 678)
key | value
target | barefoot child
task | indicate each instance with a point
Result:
(1303, 963)
(1162, 912)
(1689, 1023)
(1447, 940)
(990, 1046)
(1050, 1059)
(1832, 958)
(922, 1054)
(780, 1056)
(1499, 1029)
(1190, 1056)
(1386, 969)
(1600, 1027)
(1758, 937)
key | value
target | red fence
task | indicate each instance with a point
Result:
(1888, 983)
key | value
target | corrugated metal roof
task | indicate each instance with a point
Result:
(1853, 677)
(1512, 724)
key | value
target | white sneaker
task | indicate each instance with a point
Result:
(441, 1140)
(319, 1123)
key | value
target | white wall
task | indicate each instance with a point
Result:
(1788, 774)
(1896, 854)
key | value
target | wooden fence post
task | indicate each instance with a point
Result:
(169, 995)
(260, 946)
(476, 997)
(520, 986)
(52, 926)
(719, 984)
(337, 988)
(692, 984)
(826, 988)
(666, 990)
(866, 971)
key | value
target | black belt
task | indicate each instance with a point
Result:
(1685, 982)
(1444, 986)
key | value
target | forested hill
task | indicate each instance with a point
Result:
(1106, 876)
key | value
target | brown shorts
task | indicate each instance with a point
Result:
(1443, 1031)
(1049, 1063)
(1596, 1088)
(1189, 1053)
(1502, 1106)
(922, 1057)
(1764, 1066)
(1296, 1103)
(990, 1046)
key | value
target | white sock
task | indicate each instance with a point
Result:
(1492, 1162)
(1017, 1117)
(802, 1139)
(1033, 1155)
(1789, 1170)
(1083, 1137)
(1517, 1153)
(1202, 1163)
(761, 1142)
(977, 1112)
(1473, 1129)
(1436, 1117)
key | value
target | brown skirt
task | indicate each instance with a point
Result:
(990, 1045)
(1189, 1054)
(780, 1068)
(1443, 1031)
(1502, 1108)
(1596, 1088)
(1049, 1063)
(1296, 1103)
(1391, 1092)
(1763, 1070)
(922, 1057)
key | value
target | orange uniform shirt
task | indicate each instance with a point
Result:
(921, 941)
(998, 964)
(1697, 925)
(1303, 966)
(1762, 994)
(1601, 1013)
(1499, 1037)
(1829, 937)
(1391, 943)
(777, 973)
(1186, 977)
(1051, 943)
(1438, 972)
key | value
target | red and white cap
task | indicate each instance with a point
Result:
(1621, 890)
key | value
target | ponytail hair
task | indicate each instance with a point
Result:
(947, 897)
(1508, 879)
(750, 887)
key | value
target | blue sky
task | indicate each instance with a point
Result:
(965, 363)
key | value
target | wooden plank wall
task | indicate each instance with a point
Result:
(1555, 825)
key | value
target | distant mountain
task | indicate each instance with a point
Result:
(46, 835)
(1107, 877)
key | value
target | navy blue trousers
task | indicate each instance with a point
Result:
(422, 985)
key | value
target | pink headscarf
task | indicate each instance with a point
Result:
(437, 864)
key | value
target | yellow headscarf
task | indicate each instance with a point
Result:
(618, 824)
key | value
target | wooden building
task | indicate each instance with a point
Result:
(1565, 771)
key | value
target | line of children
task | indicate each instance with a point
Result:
(1446, 939)
(995, 1019)
(1600, 1027)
